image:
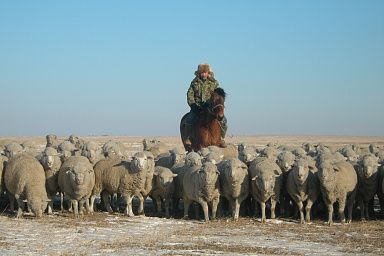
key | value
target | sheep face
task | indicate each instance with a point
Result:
(264, 183)
(37, 206)
(326, 172)
(192, 159)
(209, 173)
(79, 176)
(285, 161)
(301, 171)
(140, 161)
(369, 166)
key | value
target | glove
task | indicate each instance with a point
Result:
(195, 108)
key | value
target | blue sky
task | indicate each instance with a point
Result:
(123, 67)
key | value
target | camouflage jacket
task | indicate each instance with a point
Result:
(200, 91)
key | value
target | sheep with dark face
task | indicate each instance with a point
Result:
(367, 170)
(303, 186)
(163, 189)
(234, 183)
(266, 183)
(338, 182)
(24, 179)
(201, 185)
(76, 180)
(51, 163)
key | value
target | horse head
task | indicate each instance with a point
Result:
(216, 103)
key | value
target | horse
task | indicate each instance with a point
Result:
(206, 131)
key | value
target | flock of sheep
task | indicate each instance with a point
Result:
(290, 181)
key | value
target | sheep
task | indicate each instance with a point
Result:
(24, 179)
(176, 156)
(201, 185)
(228, 152)
(3, 163)
(113, 148)
(127, 178)
(51, 141)
(51, 163)
(338, 181)
(76, 180)
(92, 151)
(147, 188)
(285, 160)
(66, 149)
(266, 182)
(350, 154)
(366, 170)
(270, 152)
(76, 141)
(234, 183)
(102, 179)
(246, 154)
(303, 185)
(163, 189)
(155, 147)
(12, 149)
(213, 157)
(191, 160)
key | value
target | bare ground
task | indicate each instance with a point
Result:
(103, 233)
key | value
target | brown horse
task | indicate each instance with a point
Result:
(206, 130)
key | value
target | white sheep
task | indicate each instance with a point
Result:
(201, 185)
(338, 181)
(234, 183)
(367, 170)
(76, 180)
(266, 183)
(51, 162)
(303, 186)
(163, 189)
(24, 179)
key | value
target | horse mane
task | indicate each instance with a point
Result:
(220, 92)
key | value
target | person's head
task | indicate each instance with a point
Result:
(203, 71)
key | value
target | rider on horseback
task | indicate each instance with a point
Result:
(198, 93)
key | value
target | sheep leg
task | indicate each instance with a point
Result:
(11, 202)
(273, 208)
(308, 210)
(92, 203)
(350, 202)
(300, 205)
(341, 210)
(158, 205)
(20, 207)
(236, 209)
(61, 202)
(187, 203)
(87, 206)
(366, 210)
(215, 203)
(204, 205)
(128, 210)
(141, 204)
(107, 203)
(362, 205)
(75, 206)
(263, 218)
(330, 213)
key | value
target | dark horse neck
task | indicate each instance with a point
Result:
(208, 129)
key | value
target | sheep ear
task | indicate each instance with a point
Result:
(336, 168)
(218, 173)
(276, 173)
(254, 178)
(378, 165)
(48, 200)
(174, 175)
(25, 201)
(155, 174)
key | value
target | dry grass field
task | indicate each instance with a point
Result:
(115, 234)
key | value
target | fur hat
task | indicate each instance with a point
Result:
(205, 67)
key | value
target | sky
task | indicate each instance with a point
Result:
(124, 67)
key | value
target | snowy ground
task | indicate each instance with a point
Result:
(103, 233)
